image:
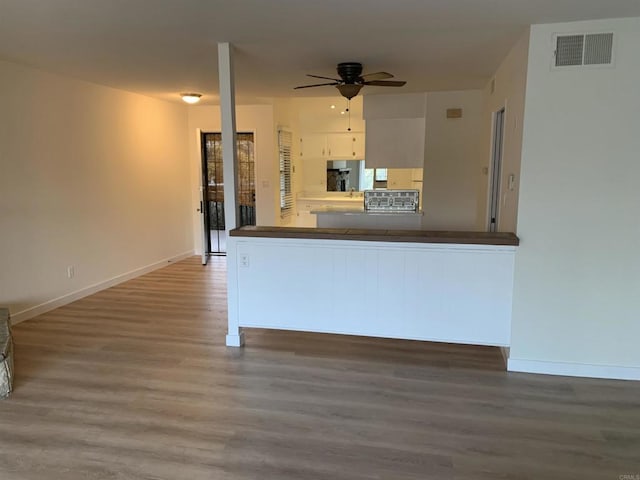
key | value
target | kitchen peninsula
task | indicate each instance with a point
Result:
(353, 217)
(410, 284)
(382, 209)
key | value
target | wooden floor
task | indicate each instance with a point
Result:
(135, 383)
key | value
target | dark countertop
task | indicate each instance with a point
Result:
(407, 236)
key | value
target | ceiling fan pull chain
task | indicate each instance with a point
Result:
(349, 112)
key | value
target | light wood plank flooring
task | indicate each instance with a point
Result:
(135, 383)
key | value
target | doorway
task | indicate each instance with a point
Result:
(215, 237)
(496, 170)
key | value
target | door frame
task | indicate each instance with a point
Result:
(204, 205)
(494, 191)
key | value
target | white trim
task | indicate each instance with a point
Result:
(235, 340)
(490, 173)
(335, 331)
(574, 369)
(505, 355)
(203, 234)
(91, 289)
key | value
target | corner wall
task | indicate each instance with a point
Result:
(577, 276)
(452, 161)
(90, 177)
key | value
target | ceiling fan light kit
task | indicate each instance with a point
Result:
(349, 91)
(351, 80)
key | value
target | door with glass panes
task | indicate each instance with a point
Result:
(215, 240)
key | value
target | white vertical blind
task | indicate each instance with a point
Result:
(284, 152)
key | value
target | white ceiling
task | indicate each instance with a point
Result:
(162, 47)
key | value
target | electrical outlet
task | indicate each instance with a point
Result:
(71, 271)
(244, 260)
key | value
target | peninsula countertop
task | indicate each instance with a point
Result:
(377, 235)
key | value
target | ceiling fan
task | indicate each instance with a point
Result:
(351, 80)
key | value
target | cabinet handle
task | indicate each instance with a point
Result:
(329, 152)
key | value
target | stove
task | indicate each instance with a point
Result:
(391, 201)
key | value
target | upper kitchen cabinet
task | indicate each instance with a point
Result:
(333, 146)
(313, 145)
(395, 130)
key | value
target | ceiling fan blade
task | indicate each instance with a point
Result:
(376, 76)
(316, 85)
(386, 83)
(326, 78)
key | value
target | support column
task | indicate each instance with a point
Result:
(229, 146)
(235, 337)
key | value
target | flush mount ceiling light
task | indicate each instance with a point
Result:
(191, 98)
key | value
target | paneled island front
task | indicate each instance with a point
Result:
(410, 284)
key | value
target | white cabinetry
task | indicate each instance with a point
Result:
(306, 205)
(313, 145)
(306, 219)
(358, 145)
(304, 216)
(333, 146)
(405, 178)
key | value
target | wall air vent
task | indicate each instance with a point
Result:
(598, 49)
(584, 49)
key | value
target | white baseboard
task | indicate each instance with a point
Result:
(574, 369)
(505, 355)
(91, 289)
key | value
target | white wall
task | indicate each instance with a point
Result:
(510, 84)
(452, 159)
(577, 276)
(249, 118)
(91, 177)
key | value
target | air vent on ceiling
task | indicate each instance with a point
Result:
(584, 49)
